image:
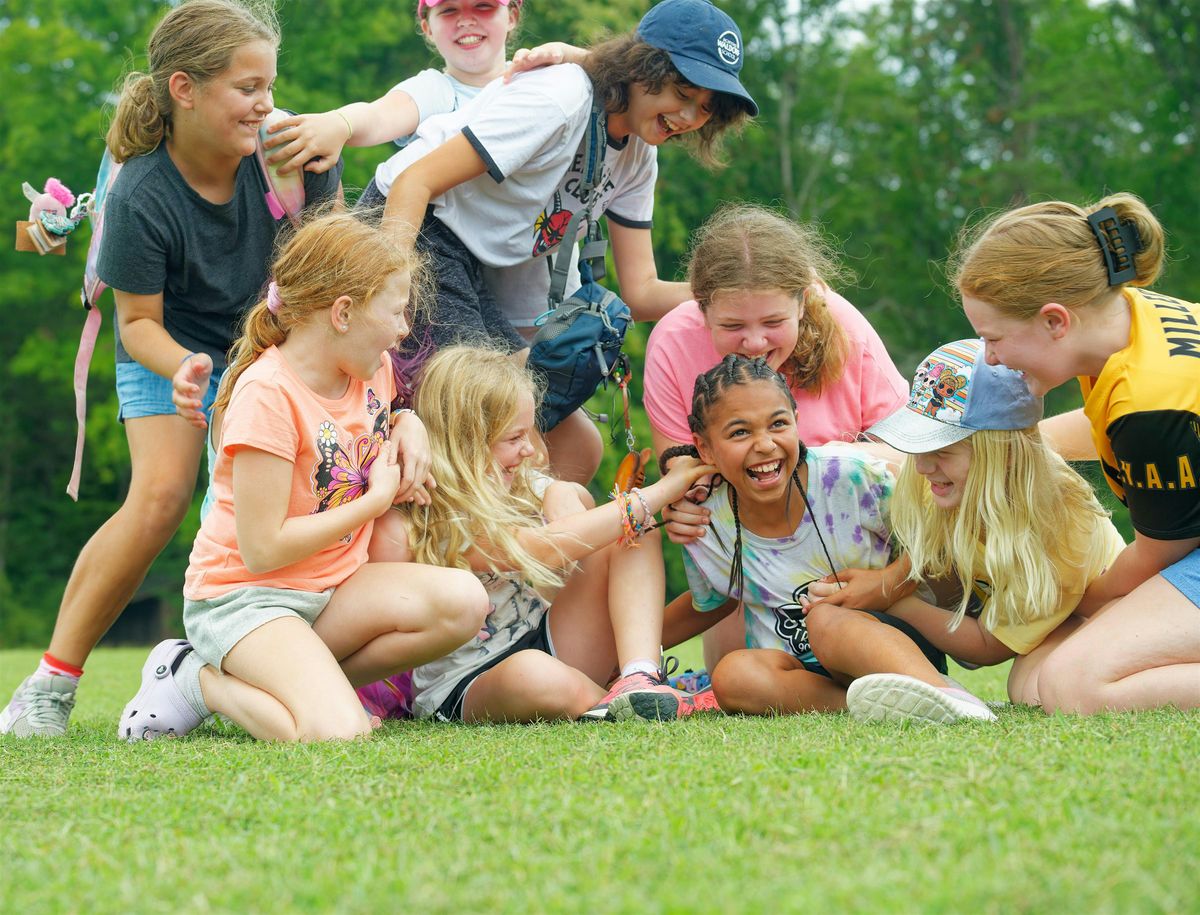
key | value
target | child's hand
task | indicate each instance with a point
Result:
(383, 479)
(544, 55)
(683, 476)
(309, 141)
(189, 385)
(415, 456)
(861, 589)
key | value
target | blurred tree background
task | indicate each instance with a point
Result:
(889, 124)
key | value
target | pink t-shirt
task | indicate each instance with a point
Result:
(330, 443)
(681, 348)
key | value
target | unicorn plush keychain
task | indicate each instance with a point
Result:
(54, 213)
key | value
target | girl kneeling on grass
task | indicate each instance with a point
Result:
(1053, 289)
(785, 517)
(568, 602)
(283, 611)
(984, 504)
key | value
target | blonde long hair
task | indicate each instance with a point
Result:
(467, 397)
(1019, 260)
(1022, 503)
(198, 38)
(747, 247)
(330, 255)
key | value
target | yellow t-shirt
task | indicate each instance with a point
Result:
(1097, 547)
(1145, 413)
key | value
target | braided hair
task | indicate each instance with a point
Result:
(732, 371)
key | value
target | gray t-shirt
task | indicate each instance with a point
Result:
(208, 260)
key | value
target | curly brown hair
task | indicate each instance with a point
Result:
(618, 63)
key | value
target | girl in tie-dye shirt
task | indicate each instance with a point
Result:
(785, 517)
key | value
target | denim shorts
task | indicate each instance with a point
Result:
(141, 392)
(1185, 575)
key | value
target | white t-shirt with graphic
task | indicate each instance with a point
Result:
(850, 494)
(529, 134)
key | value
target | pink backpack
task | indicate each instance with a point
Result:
(284, 197)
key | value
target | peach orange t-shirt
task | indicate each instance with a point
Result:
(331, 445)
(681, 348)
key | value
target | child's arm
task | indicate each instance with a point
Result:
(969, 642)
(1070, 434)
(575, 536)
(268, 539)
(314, 141)
(415, 456)
(1137, 563)
(451, 164)
(648, 297)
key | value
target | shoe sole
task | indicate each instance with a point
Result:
(163, 653)
(650, 706)
(888, 697)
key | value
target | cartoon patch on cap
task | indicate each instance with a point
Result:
(729, 48)
(939, 386)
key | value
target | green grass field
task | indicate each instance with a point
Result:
(1033, 814)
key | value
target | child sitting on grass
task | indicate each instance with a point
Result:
(574, 590)
(981, 502)
(283, 612)
(784, 517)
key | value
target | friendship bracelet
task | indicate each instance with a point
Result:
(187, 357)
(629, 530)
(346, 121)
(647, 515)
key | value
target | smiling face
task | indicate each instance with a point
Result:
(755, 322)
(227, 111)
(750, 436)
(655, 117)
(374, 329)
(515, 445)
(1033, 347)
(946, 472)
(470, 35)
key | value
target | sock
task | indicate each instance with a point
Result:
(51, 666)
(187, 677)
(641, 666)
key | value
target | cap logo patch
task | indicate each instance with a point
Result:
(729, 48)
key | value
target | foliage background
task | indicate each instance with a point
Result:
(890, 124)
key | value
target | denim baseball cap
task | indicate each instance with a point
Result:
(955, 393)
(705, 45)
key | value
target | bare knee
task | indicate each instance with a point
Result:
(742, 682)
(462, 606)
(346, 723)
(824, 623)
(576, 448)
(160, 506)
(1067, 681)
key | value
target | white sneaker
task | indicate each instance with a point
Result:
(896, 697)
(159, 709)
(40, 707)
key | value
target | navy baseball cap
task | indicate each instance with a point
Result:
(704, 44)
(955, 393)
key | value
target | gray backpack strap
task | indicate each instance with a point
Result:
(595, 141)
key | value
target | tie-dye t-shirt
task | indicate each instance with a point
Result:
(850, 492)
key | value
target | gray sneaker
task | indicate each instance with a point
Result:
(40, 707)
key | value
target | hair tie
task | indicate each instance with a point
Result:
(273, 299)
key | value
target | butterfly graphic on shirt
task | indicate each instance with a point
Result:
(340, 475)
(373, 403)
(549, 227)
(789, 621)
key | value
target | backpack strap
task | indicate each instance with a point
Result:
(595, 142)
(284, 197)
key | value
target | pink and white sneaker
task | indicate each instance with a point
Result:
(640, 695)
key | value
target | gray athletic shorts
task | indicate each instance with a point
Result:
(214, 626)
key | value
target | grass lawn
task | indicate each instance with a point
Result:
(813, 812)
